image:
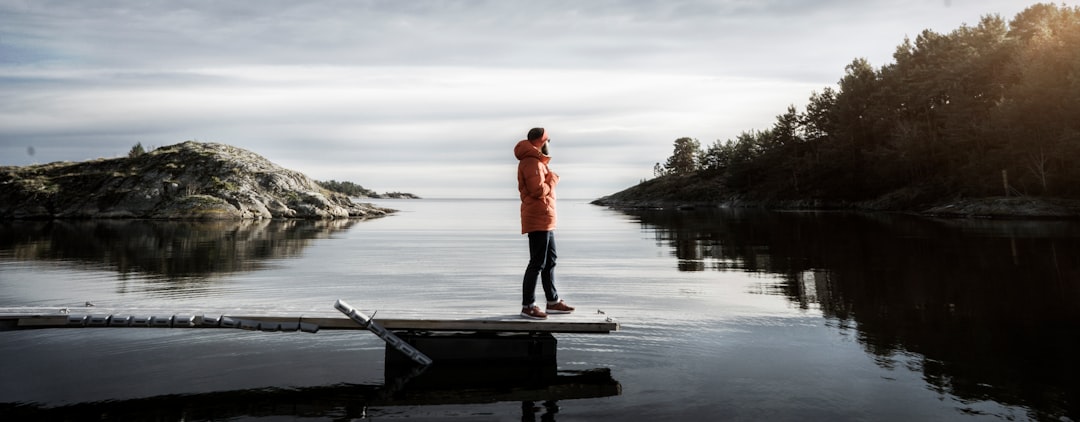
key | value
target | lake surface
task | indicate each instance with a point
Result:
(725, 314)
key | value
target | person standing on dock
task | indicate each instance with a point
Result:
(536, 185)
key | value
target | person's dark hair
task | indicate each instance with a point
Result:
(535, 133)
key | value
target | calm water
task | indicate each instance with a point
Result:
(726, 315)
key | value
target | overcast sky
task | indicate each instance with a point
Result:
(429, 97)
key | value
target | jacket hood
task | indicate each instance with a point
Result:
(525, 149)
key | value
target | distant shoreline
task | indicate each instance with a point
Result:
(1005, 208)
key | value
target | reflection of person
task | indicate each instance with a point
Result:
(529, 410)
(536, 184)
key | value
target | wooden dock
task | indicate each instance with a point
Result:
(459, 344)
(427, 359)
(276, 321)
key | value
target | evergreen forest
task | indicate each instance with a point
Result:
(986, 110)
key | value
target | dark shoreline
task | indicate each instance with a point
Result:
(1003, 208)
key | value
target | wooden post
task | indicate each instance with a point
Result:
(1005, 181)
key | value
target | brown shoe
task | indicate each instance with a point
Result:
(533, 312)
(559, 308)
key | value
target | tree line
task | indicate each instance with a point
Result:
(985, 110)
(347, 188)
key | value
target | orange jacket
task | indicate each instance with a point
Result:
(536, 184)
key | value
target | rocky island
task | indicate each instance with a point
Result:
(190, 180)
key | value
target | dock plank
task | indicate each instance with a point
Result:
(582, 323)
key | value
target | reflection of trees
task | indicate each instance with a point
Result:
(992, 307)
(173, 250)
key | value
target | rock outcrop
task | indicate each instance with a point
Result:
(191, 180)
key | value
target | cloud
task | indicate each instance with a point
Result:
(429, 96)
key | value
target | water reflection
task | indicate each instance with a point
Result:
(170, 250)
(339, 402)
(986, 310)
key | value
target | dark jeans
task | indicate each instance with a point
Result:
(541, 263)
